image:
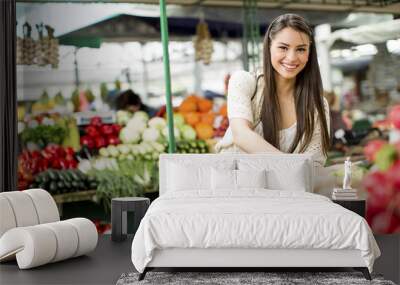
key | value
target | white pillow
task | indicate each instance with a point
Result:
(186, 174)
(184, 177)
(223, 179)
(251, 178)
(227, 179)
(284, 172)
(294, 180)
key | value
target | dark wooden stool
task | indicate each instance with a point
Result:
(119, 209)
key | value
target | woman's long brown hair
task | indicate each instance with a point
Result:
(308, 91)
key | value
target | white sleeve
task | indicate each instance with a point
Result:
(241, 87)
(315, 146)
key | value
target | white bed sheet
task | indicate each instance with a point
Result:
(252, 218)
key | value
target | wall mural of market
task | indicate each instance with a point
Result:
(92, 118)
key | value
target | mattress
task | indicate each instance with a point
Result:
(250, 219)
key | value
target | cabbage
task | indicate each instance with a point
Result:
(141, 115)
(188, 133)
(136, 125)
(151, 135)
(157, 123)
(129, 136)
(176, 133)
(123, 117)
(179, 120)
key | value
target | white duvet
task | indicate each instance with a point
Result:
(250, 219)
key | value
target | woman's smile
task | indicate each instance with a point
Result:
(290, 67)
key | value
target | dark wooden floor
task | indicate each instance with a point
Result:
(110, 259)
(102, 266)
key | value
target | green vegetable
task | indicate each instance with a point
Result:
(52, 174)
(44, 134)
(53, 187)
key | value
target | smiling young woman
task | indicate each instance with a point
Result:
(282, 109)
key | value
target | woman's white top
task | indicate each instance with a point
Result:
(242, 86)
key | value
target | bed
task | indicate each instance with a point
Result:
(246, 211)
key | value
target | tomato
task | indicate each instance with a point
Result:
(100, 142)
(116, 128)
(106, 130)
(88, 141)
(92, 131)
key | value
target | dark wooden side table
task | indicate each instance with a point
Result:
(119, 218)
(357, 206)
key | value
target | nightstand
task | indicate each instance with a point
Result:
(357, 206)
(119, 215)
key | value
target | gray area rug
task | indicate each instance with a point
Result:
(243, 278)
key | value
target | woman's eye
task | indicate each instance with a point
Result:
(283, 48)
(301, 50)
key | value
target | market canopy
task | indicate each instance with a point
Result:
(143, 23)
(370, 6)
(126, 28)
(375, 33)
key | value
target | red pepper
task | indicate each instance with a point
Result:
(100, 142)
(106, 130)
(88, 141)
(96, 121)
(116, 128)
(92, 131)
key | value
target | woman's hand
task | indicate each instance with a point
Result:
(248, 140)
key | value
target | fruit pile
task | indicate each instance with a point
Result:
(383, 182)
(64, 181)
(198, 113)
(98, 135)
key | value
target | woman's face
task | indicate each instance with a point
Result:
(289, 52)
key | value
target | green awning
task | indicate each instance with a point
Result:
(91, 42)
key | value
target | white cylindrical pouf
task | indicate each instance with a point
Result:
(7, 218)
(67, 239)
(87, 234)
(45, 206)
(34, 246)
(23, 208)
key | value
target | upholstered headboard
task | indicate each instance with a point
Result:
(286, 167)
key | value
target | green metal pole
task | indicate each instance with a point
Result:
(167, 76)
